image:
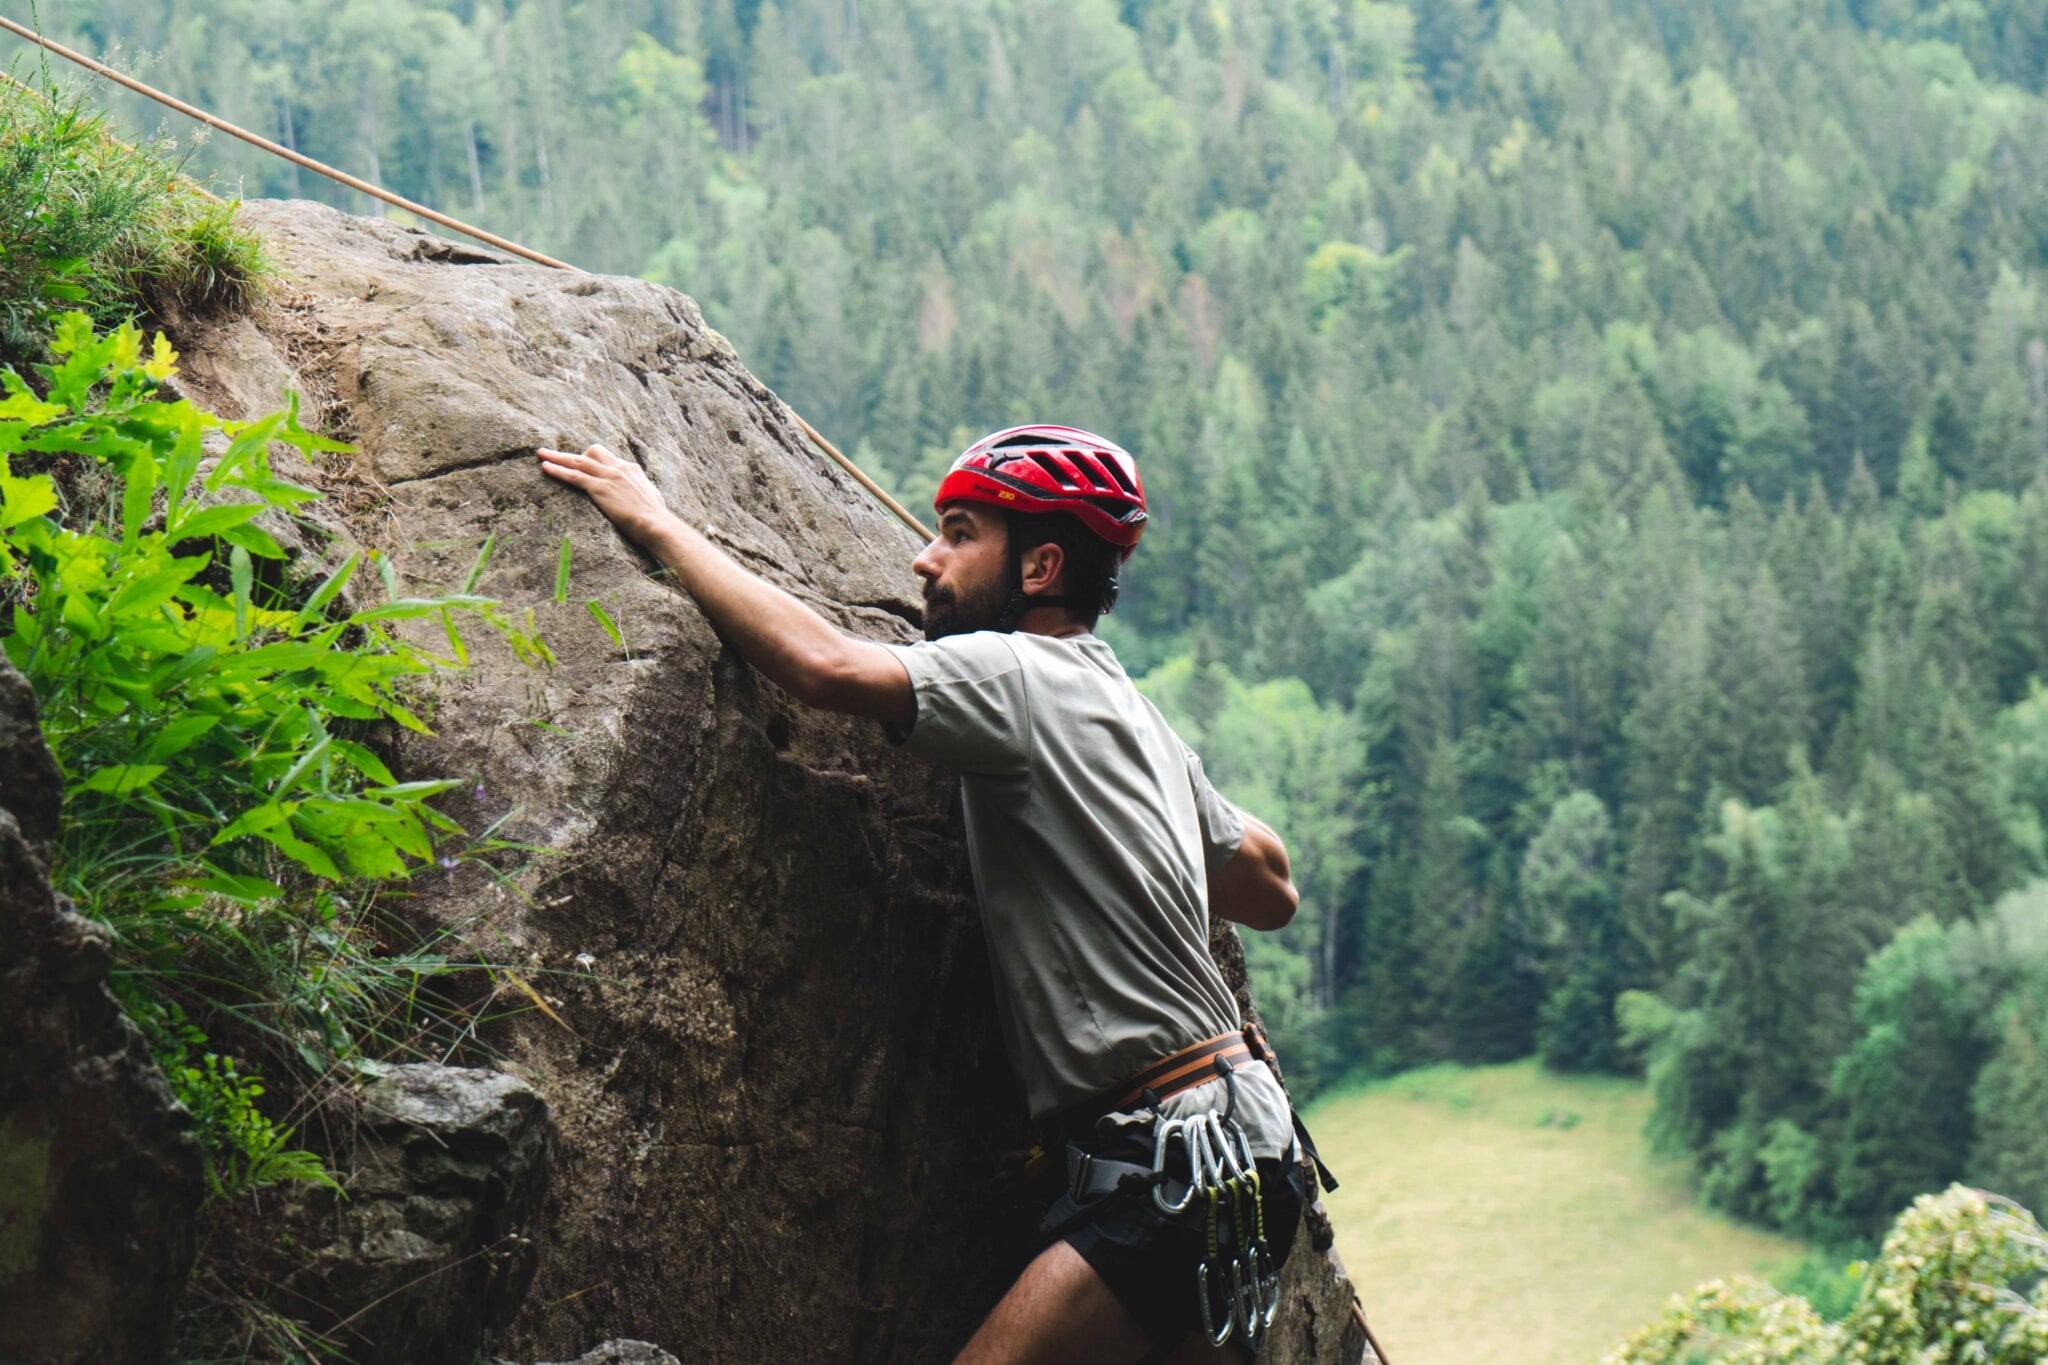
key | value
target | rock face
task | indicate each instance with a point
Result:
(431, 1254)
(769, 1043)
(99, 1176)
(620, 1352)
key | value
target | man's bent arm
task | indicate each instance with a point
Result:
(799, 650)
(1256, 887)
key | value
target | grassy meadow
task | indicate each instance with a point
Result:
(1507, 1214)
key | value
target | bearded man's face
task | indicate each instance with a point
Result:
(966, 572)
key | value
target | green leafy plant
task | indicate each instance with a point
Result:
(246, 1149)
(222, 815)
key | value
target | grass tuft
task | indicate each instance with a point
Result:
(90, 223)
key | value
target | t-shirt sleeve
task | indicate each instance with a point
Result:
(972, 712)
(1222, 823)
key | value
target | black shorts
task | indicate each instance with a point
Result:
(1149, 1259)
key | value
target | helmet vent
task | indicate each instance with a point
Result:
(1053, 467)
(1115, 471)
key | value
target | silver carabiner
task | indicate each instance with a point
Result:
(1215, 1148)
(1268, 1280)
(1244, 1302)
(1241, 1145)
(1228, 1138)
(1201, 1160)
(1162, 1145)
(1216, 1337)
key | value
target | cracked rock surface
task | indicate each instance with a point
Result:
(769, 1043)
(430, 1255)
(100, 1178)
(621, 1352)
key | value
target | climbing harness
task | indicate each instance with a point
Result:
(1190, 1067)
(1194, 1065)
(1202, 1172)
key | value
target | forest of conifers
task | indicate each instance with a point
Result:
(1599, 453)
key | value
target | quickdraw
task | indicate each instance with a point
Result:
(1236, 1287)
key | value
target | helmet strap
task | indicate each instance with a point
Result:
(1021, 602)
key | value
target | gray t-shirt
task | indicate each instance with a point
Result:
(1092, 832)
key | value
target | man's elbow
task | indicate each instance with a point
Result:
(1279, 906)
(845, 678)
(1269, 905)
(819, 678)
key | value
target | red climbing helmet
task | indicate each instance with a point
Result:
(1053, 469)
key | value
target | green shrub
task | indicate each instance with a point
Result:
(1829, 1281)
(245, 1149)
(1945, 1286)
(219, 814)
(87, 222)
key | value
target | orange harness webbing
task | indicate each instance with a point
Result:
(1185, 1069)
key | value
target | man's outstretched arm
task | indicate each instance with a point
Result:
(799, 650)
(1256, 887)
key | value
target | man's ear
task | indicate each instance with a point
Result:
(1041, 566)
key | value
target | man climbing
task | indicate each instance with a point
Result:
(1099, 849)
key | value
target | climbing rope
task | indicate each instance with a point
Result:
(400, 201)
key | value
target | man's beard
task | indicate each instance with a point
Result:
(948, 613)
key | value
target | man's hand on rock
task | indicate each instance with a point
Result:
(620, 488)
(800, 651)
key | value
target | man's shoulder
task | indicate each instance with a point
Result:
(1033, 653)
(1087, 651)
(973, 651)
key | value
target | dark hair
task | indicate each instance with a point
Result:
(1089, 565)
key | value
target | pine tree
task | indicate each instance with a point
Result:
(1761, 712)
(1668, 771)
(1969, 811)
(2009, 1104)
(1568, 891)
(1443, 889)
(1905, 1085)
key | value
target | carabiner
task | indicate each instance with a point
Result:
(1244, 1302)
(1241, 1145)
(1215, 1148)
(1165, 1130)
(1268, 1280)
(1216, 1337)
(1199, 1157)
